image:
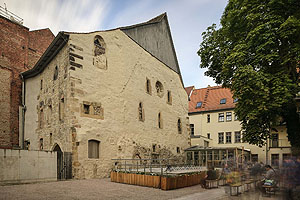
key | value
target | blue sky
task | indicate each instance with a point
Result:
(187, 19)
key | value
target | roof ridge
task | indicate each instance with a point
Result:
(154, 20)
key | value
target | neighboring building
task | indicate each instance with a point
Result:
(213, 123)
(108, 94)
(20, 50)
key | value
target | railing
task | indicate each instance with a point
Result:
(154, 166)
(279, 143)
(11, 16)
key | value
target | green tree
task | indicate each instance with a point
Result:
(256, 53)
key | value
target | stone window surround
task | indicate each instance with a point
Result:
(141, 112)
(92, 106)
(93, 149)
(179, 126)
(159, 89)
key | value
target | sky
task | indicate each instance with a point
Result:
(187, 20)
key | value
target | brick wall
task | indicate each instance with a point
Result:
(20, 50)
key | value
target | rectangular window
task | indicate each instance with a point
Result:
(93, 149)
(275, 160)
(228, 137)
(178, 150)
(86, 109)
(208, 135)
(221, 138)
(237, 137)
(254, 158)
(242, 136)
(228, 116)
(275, 140)
(221, 117)
(206, 144)
(285, 157)
(208, 118)
(235, 117)
(192, 129)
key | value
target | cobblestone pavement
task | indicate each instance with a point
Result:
(104, 189)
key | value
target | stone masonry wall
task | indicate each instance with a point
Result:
(17, 54)
(47, 112)
(102, 86)
(115, 81)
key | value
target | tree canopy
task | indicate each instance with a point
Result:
(256, 53)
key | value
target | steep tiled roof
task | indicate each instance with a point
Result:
(189, 90)
(210, 98)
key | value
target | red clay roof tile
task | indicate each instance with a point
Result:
(210, 98)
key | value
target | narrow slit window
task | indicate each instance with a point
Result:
(141, 112)
(179, 126)
(55, 75)
(159, 120)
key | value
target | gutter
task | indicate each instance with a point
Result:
(23, 112)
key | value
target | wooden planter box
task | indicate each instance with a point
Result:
(170, 183)
(135, 179)
(165, 183)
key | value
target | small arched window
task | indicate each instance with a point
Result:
(179, 126)
(55, 75)
(141, 112)
(93, 148)
(159, 120)
(159, 89)
(99, 45)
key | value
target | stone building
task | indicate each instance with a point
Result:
(108, 94)
(214, 125)
(20, 50)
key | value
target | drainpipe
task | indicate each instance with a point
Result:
(23, 113)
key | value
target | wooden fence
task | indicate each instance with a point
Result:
(163, 182)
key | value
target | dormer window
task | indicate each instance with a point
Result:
(223, 101)
(199, 104)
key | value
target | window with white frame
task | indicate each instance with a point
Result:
(228, 116)
(237, 136)
(221, 138)
(221, 117)
(228, 137)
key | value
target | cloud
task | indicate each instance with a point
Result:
(187, 19)
(67, 15)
